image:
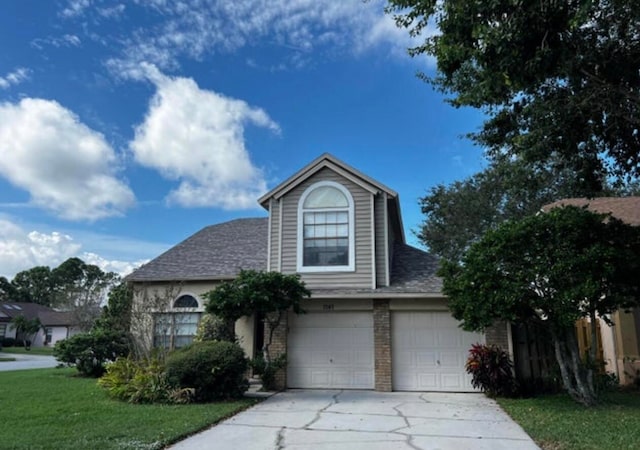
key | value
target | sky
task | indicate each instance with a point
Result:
(125, 127)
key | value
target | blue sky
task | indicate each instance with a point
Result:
(127, 126)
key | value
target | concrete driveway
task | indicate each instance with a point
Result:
(27, 362)
(351, 420)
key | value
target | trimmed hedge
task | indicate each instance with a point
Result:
(215, 369)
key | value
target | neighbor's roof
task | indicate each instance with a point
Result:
(215, 252)
(56, 318)
(626, 209)
(47, 316)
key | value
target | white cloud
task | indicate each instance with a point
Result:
(21, 250)
(66, 40)
(112, 12)
(122, 268)
(75, 8)
(304, 29)
(17, 76)
(196, 137)
(65, 166)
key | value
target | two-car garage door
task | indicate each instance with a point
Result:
(336, 350)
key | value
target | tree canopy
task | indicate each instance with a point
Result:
(556, 267)
(559, 81)
(267, 294)
(460, 213)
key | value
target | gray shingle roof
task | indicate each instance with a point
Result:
(215, 252)
(47, 316)
(220, 251)
(414, 270)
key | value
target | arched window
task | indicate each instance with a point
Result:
(325, 228)
(177, 328)
(186, 301)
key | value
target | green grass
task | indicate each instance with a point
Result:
(54, 409)
(557, 422)
(33, 351)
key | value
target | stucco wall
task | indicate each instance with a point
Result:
(152, 298)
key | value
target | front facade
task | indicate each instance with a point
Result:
(376, 319)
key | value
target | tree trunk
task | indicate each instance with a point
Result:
(273, 320)
(581, 371)
(574, 374)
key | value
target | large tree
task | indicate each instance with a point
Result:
(558, 80)
(555, 267)
(34, 285)
(458, 214)
(81, 288)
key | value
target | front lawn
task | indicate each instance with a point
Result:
(556, 422)
(53, 409)
(33, 351)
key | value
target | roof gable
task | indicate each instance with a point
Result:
(329, 161)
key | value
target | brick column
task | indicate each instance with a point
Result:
(382, 343)
(278, 347)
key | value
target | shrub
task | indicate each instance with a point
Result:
(268, 372)
(90, 351)
(214, 328)
(215, 369)
(142, 381)
(491, 370)
(7, 342)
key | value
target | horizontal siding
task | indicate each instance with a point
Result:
(362, 276)
(381, 256)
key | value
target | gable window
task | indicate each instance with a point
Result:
(325, 229)
(178, 328)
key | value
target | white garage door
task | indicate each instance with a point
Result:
(429, 352)
(330, 350)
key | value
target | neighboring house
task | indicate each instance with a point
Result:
(377, 318)
(620, 343)
(56, 325)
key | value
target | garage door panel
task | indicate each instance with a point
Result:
(339, 349)
(425, 338)
(429, 352)
(451, 360)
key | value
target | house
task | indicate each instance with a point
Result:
(621, 342)
(377, 318)
(56, 325)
